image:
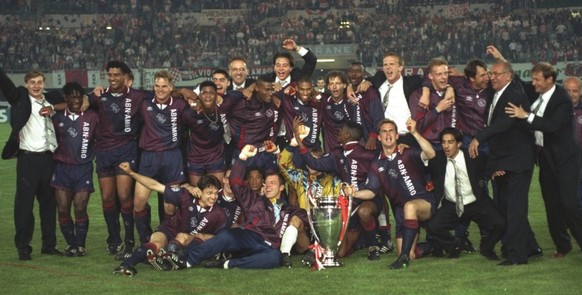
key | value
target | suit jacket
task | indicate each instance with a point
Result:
(307, 69)
(475, 170)
(511, 142)
(560, 145)
(20, 111)
(248, 81)
(410, 83)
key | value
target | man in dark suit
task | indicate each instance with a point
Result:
(284, 71)
(238, 71)
(395, 91)
(511, 159)
(558, 156)
(33, 142)
(457, 177)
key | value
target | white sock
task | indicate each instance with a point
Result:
(288, 240)
(226, 264)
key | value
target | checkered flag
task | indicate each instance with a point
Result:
(176, 75)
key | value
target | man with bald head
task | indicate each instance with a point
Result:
(511, 160)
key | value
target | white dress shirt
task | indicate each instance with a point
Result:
(466, 189)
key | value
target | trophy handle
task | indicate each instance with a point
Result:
(345, 203)
(311, 202)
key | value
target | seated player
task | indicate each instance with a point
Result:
(257, 243)
(73, 176)
(195, 221)
(400, 176)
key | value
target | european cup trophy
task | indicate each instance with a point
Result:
(328, 217)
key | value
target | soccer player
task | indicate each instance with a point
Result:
(335, 109)
(116, 142)
(441, 111)
(161, 157)
(351, 163)
(300, 102)
(368, 111)
(196, 217)
(73, 176)
(258, 242)
(206, 147)
(400, 176)
(231, 206)
(256, 120)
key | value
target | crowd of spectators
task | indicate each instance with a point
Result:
(156, 33)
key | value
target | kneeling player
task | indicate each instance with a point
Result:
(73, 176)
(198, 217)
(400, 176)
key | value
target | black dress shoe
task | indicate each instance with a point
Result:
(508, 262)
(537, 253)
(24, 256)
(51, 251)
(490, 255)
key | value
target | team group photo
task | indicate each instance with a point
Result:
(325, 147)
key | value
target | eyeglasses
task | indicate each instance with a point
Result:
(493, 74)
(238, 69)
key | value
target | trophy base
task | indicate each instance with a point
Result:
(331, 262)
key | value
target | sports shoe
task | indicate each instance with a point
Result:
(127, 271)
(113, 249)
(214, 264)
(374, 253)
(176, 261)
(153, 260)
(309, 258)
(70, 251)
(286, 260)
(387, 247)
(125, 254)
(81, 251)
(400, 263)
(165, 260)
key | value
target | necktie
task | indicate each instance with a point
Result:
(49, 130)
(459, 206)
(385, 97)
(539, 104)
(493, 103)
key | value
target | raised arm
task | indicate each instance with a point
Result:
(150, 183)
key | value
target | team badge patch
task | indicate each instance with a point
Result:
(393, 173)
(579, 120)
(269, 113)
(161, 118)
(115, 108)
(481, 102)
(339, 116)
(72, 132)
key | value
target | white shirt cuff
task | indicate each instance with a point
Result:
(530, 118)
(302, 51)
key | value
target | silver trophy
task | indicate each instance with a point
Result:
(328, 217)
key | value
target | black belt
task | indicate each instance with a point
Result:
(43, 153)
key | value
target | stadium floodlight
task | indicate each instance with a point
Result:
(326, 60)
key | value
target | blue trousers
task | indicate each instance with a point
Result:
(250, 250)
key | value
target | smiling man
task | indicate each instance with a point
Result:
(163, 119)
(558, 157)
(73, 176)
(459, 190)
(441, 111)
(196, 221)
(32, 141)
